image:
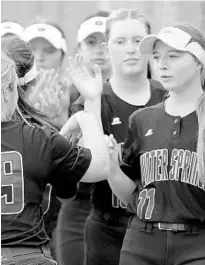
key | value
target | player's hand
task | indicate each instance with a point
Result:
(49, 102)
(89, 86)
(51, 97)
(46, 79)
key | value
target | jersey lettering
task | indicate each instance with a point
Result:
(183, 167)
(147, 201)
(154, 166)
(116, 203)
(12, 183)
(185, 172)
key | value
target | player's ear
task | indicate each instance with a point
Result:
(199, 65)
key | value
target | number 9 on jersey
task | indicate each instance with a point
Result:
(12, 183)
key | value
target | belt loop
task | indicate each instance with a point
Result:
(191, 230)
(195, 230)
(147, 227)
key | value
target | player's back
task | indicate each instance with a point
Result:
(25, 168)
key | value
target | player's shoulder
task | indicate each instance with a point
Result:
(37, 133)
(150, 112)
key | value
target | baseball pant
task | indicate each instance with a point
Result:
(147, 245)
(104, 235)
(70, 232)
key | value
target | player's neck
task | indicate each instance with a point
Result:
(182, 104)
(134, 90)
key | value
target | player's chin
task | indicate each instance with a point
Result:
(131, 69)
(169, 87)
(103, 65)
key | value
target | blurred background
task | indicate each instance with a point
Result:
(69, 14)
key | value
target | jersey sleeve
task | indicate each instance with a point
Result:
(70, 163)
(130, 163)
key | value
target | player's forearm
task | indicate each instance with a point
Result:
(94, 107)
(121, 185)
(94, 139)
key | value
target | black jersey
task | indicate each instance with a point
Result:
(30, 159)
(160, 156)
(115, 115)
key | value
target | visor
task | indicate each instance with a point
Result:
(90, 26)
(11, 28)
(48, 32)
(175, 38)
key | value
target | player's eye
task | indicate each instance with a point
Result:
(91, 42)
(50, 51)
(137, 40)
(120, 41)
(155, 57)
(173, 56)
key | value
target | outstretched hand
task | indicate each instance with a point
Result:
(88, 85)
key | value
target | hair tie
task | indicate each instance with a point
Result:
(29, 76)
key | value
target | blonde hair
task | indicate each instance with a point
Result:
(123, 14)
(8, 79)
(201, 136)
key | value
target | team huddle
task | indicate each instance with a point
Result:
(103, 164)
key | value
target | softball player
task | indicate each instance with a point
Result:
(49, 47)
(73, 214)
(163, 190)
(128, 90)
(34, 88)
(22, 55)
(31, 158)
(48, 43)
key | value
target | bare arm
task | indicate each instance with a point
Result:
(91, 126)
(94, 107)
(94, 140)
(121, 185)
